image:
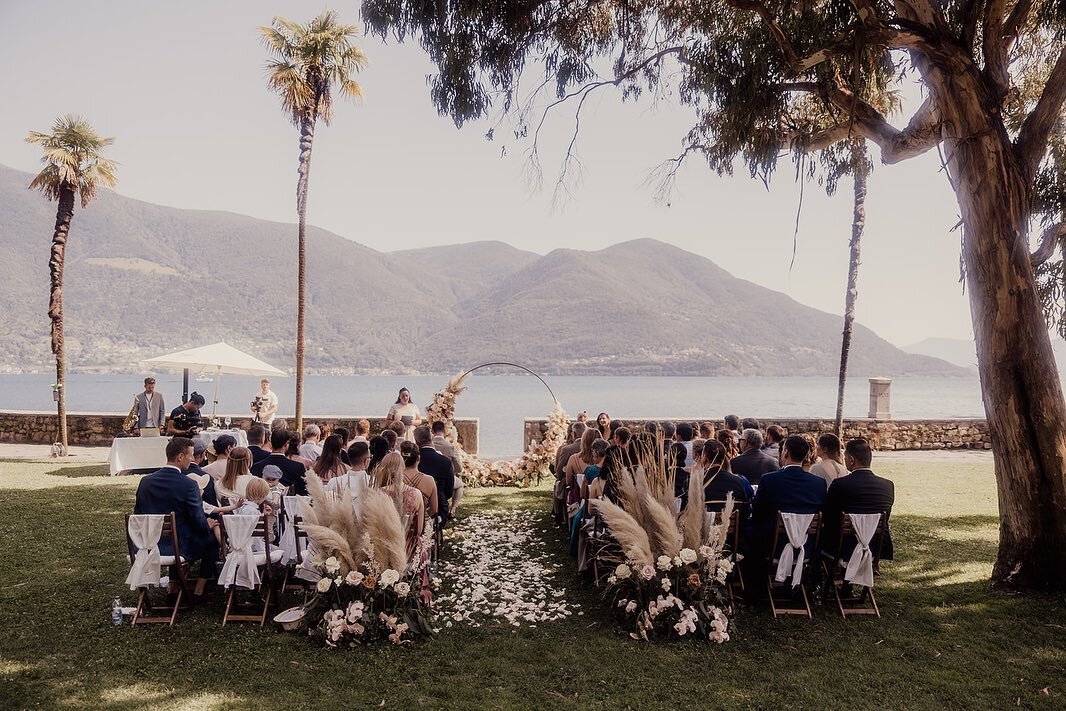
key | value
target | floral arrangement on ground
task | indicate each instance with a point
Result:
(524, 471)
(367, 588)
(668, 571)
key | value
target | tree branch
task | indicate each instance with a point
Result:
(993, 47)
(1018, 16)
(1049, 240)
(1032, 140)
(921, 133)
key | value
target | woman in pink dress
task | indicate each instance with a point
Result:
(411, 505)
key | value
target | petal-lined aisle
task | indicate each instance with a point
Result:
(497, 569)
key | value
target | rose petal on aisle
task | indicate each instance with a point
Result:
(499, 571)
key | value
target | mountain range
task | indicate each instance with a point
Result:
(143, 279)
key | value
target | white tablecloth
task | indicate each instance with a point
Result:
(151, 452)
(137, 453)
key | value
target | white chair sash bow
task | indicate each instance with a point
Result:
(145, 531)
(860, 568)
(288, 533)
(240, 568)
(792, 555)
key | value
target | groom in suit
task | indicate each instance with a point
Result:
(791, 489)
(432, 462)
(169, 489)
(860, 492)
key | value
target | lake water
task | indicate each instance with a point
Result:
(502, 402)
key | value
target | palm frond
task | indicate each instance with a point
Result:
(72, 158)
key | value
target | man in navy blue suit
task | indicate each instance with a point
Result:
(791, 490)
(432, 462)
(860, 492)
(169, 489)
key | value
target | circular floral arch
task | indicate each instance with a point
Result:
(525, 470)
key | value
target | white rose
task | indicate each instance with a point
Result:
(688, 556)
(663, 563)
(622, 571)
(324, 585)
(402, 589)
(706, 551)
(389, 577)
(332, 565)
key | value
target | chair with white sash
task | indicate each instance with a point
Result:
(866, 532)
(799, 531)
(143, 534)
(735, 581)
(247, 568)
(293, 541)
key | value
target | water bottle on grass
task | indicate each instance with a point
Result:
(116, 611)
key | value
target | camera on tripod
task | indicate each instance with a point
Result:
(257, 406)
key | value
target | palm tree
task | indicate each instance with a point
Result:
(308, 62)
(860, 171)
(73, 165)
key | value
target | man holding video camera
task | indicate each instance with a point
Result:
(265, 404)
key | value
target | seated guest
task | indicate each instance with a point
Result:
(562, 457)
(400, 430)
(603, 425)
(257, 437)
(256, 505)
(391, 437)
(732, 423)
(342, 432)
(311, 449)
(652, 427)
(861, 491)
(379, 447)
(615, 424)
(621, 437)
(789, 490)
(167, 490)
(233, 483)
(356, 480)
(277, 492)
(706, 431)
(442, 445)
(577, 463)
(279, 424)
(292, 451)
(730, 444)
(329, 463)
(185, 419)
(362, 432)
(752, 462)
(197, 471)
(606, 482)
(775, 435)
(432, 462)
(812, 454)
(684, 434)
(223, 445)
(828, 466)
(719, 481)
(578, 538)
(749, 423)
(677, 456)
(423, 482)
(669, 430)
(292, 473)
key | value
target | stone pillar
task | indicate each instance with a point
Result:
(880, 399)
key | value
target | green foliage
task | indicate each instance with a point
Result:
(73, 158)
(310, 61)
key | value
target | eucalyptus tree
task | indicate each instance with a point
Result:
(74, 167)
(308, 63)
(751, 70)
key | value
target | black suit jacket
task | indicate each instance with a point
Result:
(292, 473)
(169, 489)
(752, 464)
(258, 453)
(861, 491)
(432, 462)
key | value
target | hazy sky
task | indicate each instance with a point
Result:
(181, 88)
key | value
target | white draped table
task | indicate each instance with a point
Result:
(151, 452)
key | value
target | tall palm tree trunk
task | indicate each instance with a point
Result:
(55, 302)
(858, 222)
(307, 137)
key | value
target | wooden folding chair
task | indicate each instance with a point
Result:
(251, 611)
(783, 597)
(736, 578)
(862, 602)
(599, 543)
(178, 586)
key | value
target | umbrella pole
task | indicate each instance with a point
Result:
(185, 387)
(218, 377)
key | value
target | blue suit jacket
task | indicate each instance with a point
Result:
(790, 489)
(169, 490)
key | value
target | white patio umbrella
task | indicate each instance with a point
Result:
(219, 357)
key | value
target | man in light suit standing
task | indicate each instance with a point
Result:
(151, 412)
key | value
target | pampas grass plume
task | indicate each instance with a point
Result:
(630, 535)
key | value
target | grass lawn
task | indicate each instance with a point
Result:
(946, 640)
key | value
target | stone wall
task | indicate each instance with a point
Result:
(883, 434)
(98, 429)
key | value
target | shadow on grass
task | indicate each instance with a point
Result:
(941, 643)
(72, 472)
